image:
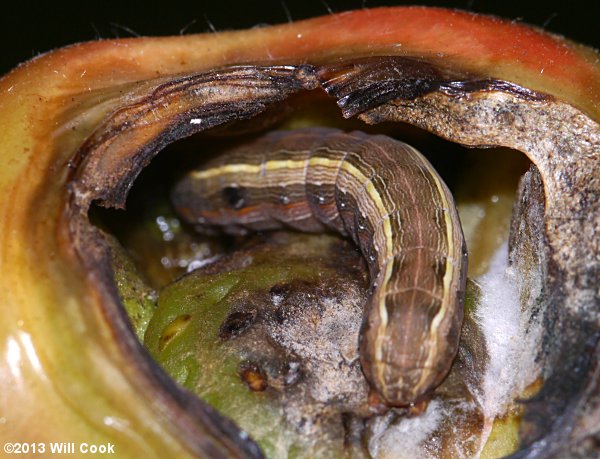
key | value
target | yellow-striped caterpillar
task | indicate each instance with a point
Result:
(384, 195)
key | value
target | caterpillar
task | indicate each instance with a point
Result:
(384, 195)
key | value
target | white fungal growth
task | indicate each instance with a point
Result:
(406, 438)
(511, 340)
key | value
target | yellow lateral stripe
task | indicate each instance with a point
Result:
(387, 229)
(289, 164)
(226, 168)
(376, 197)
(247, 168)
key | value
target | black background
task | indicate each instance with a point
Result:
(28, 28)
